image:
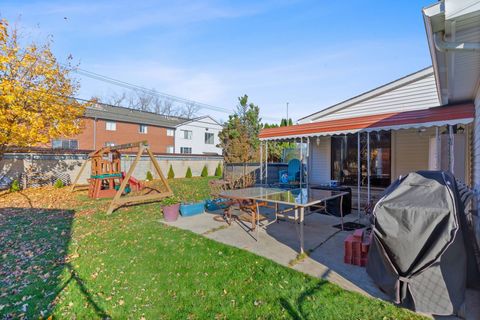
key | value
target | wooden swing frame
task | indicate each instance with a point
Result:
(118, 201)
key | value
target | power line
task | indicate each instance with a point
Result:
(131, 86)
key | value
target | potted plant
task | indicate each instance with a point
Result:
(170, 208)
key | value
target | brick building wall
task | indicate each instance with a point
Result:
(125, 132)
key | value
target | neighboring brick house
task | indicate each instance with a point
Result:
(110, 125)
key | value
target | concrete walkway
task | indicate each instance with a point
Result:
(280, 243)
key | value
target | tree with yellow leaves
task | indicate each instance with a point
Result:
(36, 94)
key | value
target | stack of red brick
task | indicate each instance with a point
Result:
(356, 247)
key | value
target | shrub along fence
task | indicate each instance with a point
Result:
(44, 168)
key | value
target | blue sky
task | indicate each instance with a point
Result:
(309, 53)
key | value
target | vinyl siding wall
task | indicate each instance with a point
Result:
(420, 94)
(320, 160)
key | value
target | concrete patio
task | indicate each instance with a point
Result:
(280, 243)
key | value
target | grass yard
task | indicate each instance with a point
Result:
(76, 262)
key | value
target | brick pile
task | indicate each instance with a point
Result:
(356, 247)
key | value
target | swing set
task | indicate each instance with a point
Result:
(107, 179)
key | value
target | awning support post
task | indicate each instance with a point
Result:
(368, 167)
(358, 175)
(437, 149)
(261, 162)
(266, 162)
(451, 157)
(301, 161)
(307, 177)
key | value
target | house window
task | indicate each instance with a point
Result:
(209, 138)
(109, 144)
(64, 144)
(170, 132)
(110, 126)
(143, 128)
(187, 134)
(185, 150)
(169, 149)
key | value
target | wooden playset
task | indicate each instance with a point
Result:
(107, 179)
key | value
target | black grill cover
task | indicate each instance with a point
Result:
(418, 254)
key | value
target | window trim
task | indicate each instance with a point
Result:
(63, 141)
(113, 123)
(140, 126)
(172, 131)
(185, 132)
(212, 135)
(183, 148)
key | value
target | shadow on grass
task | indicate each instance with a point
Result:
(296, 310)
(34, 254)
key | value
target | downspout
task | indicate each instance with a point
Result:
(444, 46)
(95, 133)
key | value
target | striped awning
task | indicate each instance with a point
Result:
(432, 117)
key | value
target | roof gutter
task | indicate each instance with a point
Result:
(445, 46)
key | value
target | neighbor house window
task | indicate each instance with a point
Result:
(142, 128)
(109, 144)
(170, 132)
(209, 138)
(111, 126)
(185, 150)
(169, 149)
(187, 134)
(64, 144)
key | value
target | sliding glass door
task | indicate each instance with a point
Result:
(344, 164)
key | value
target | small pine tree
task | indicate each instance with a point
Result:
(15, 186)
(204, 171)
(58, 184)
(171, 174)
(218, 170)
(149, 176)
(189, 173)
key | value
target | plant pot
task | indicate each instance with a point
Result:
(170, 213)
(191, 209)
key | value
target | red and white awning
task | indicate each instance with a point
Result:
(432, 117)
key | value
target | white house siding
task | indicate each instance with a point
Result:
(320, 160)
(420, 94)
(197, 143)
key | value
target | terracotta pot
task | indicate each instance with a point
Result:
(170, 213)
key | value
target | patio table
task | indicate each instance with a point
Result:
(298, 200)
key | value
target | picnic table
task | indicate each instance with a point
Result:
(298, 200)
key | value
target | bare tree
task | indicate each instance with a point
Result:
(189, 110)
(153, 102)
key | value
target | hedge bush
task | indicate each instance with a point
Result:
(171, 174)
(204, 171)
(189, 173)
(149, 176)
(218, 170)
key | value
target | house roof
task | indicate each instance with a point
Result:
(198, 119)
(437, 116)
(114, 113)
(382, 90)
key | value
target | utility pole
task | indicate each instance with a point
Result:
(287, 114)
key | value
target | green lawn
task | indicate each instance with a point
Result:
(129, 265)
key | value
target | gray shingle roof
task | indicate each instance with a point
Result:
(109, 112)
